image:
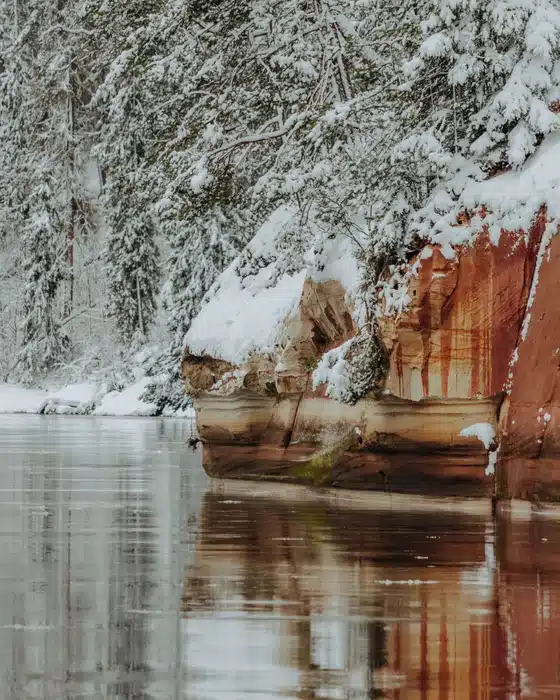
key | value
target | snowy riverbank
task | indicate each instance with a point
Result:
(82, 399)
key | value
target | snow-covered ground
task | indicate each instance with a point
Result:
(17, 399)
(127, 402)
(85, 398)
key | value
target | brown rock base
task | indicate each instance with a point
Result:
(393, 445)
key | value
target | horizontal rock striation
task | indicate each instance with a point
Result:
(448, 368)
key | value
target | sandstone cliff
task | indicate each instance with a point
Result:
(463, 350)
(529, 422)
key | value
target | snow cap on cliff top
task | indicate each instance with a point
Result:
(242, 315)
(518, 194)
(511, 200)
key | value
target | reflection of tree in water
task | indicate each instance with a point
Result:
(279, 550)
(377, 657)
(133, 563)
(76, 536)
(49, 538)
(48, 600)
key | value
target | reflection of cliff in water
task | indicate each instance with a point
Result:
(381, 604)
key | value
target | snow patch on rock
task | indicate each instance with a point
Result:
(241, 316)
(485, 432)
(239, 320)
(492, 461)
(550, 230)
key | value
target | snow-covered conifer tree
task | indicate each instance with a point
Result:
(38, 150)
(482, 90)
(44, 341)
(281, 103)
(125, 101)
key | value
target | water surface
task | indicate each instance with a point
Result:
(126, 574)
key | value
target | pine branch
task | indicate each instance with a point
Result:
(251, 139)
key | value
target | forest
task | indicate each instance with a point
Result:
(143, 144)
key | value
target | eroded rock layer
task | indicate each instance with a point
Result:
(463, 320)
(398, 445)
(449, 368)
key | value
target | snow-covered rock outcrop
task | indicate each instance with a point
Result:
(471, 334)
(255, 365)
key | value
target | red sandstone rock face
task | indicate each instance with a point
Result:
(201, 373)
(449, 364)
(463, 322)
(530, 422)
(408, 446)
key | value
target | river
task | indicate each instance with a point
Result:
(126, 574)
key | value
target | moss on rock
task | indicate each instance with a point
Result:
(318, 470)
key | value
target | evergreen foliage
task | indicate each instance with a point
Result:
(123, 100)
(479, 90)
(144, 143)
